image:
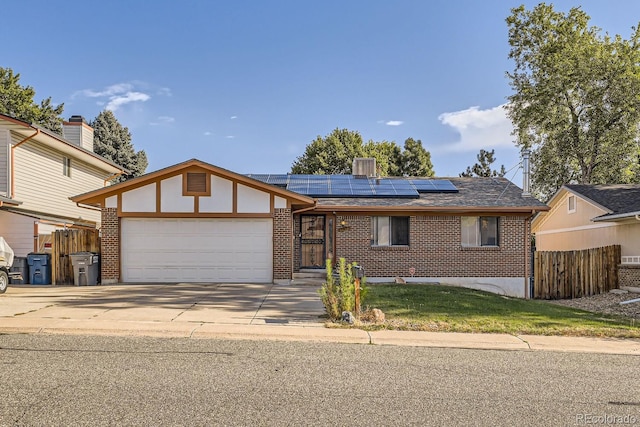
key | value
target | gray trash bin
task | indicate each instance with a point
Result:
(86, 268)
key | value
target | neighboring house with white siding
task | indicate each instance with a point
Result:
(39, 171)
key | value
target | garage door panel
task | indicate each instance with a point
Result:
(203, 250)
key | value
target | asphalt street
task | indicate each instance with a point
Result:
(93, 380)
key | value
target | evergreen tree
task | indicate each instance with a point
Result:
(113, 141)
(415, 160)
(17, 101)
(483, 167)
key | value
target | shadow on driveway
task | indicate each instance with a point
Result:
(180, 302)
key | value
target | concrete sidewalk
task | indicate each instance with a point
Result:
(247, 311)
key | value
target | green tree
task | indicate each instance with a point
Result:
(575, 100)
(113, 141)
(483, 167)
(415, 160)
(388, 157)
(334, 154)
(17, 101)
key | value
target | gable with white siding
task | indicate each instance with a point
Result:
(41, 185)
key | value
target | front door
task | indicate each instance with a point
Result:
(312, 241)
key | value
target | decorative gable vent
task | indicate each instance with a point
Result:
(364, 167)
(196, 182)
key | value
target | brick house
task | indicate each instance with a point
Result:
(197, 222)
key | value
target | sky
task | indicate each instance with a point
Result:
(247, 84)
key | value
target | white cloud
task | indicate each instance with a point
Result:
(394, 123)
(119, 100)
(207, 133)
(163, 120)
(109, 91)
(230, 137)
(479, 128)
(116, 95)
(233, 117)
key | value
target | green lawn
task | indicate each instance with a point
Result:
(454, 309)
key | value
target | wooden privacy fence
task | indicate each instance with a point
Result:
(66, 242)
(575, 274)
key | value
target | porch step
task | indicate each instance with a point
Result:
(308, 282)
(309, 277)
(310, 274)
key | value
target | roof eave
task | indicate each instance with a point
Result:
(95, 196)
(582, 196)
(616, 217)
(438, 209)
(86, 155)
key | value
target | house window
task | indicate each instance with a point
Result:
(66, 166)
(196, 184)
(390, 231)
(480, 231)
(571, 204)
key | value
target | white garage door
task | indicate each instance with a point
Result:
(197, 250)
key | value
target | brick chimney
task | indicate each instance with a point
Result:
(78, 132)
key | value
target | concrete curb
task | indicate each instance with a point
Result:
(249, 312)
(449, 340)
(316, 332)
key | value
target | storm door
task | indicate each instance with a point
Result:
(312, 241)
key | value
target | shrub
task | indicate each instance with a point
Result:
(339, 295)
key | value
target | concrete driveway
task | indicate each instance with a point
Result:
(234, 304)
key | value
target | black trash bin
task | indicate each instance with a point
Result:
(20, 265)
(39, 268)
(86, 268)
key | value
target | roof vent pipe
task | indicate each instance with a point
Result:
(526, 173)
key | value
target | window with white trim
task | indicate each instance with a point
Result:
(390, 231)
(66, 166)
(480, 231)
(571, 204)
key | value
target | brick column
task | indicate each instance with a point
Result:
(110, 246)
(282, 241)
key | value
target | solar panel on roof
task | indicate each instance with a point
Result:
(445, 186)
(278, 179)
(434, 186)
(351, 186)
(259, 176)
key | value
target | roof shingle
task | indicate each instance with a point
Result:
(619, 199)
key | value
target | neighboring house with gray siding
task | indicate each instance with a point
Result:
(39, 171)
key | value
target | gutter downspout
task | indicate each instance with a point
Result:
(527, 262)
(93, 208)
(315, 204)
(114, 176)
(13, 147)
